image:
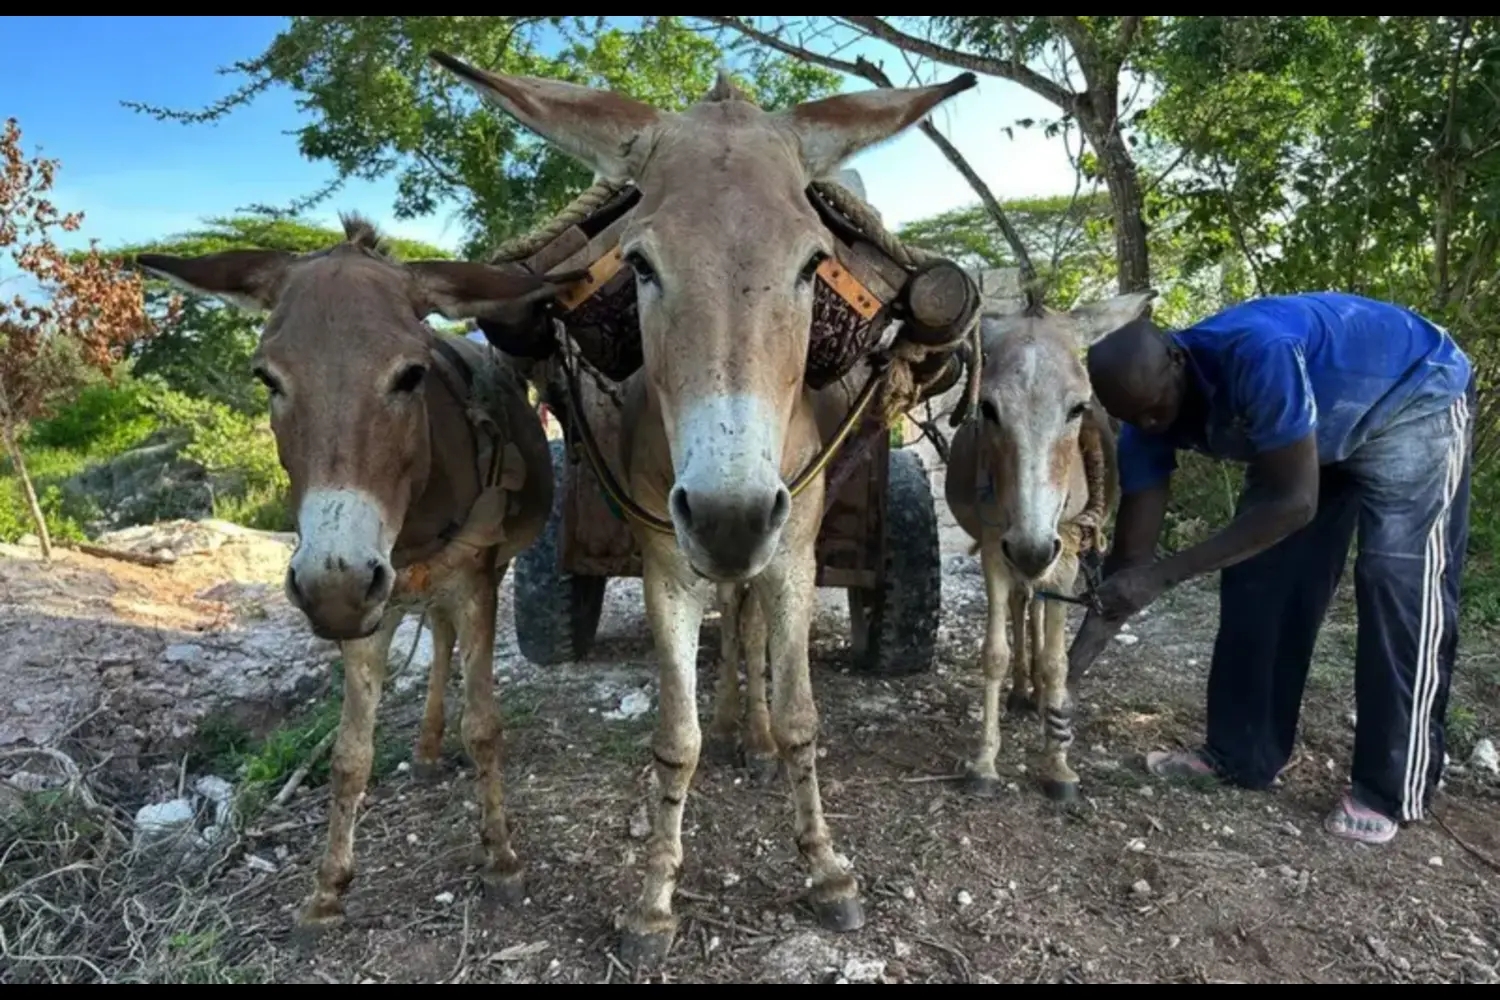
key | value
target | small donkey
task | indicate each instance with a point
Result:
(1029, 477)
(410, 491)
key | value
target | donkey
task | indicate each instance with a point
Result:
(1017, 484)
(725, 246)
(410, 491)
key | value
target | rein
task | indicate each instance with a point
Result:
(640, 514)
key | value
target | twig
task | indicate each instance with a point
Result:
(965, 967)
(319, 749)
(130, 557)
(1461, 842)
(463, 947)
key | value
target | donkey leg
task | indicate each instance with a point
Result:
(1022, 699)
(785, 593)
(674, 606)
(761, 756)
(1059, 781)
(426, 765)
(983, 779)
(349, 772)
(723, 735)
(504, 882)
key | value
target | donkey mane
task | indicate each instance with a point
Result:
(359, 231)
(725, 89)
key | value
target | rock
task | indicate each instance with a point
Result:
(1485, 757)
(801, 959)
(183, 652)
(632, 706)
(964, 899)
(864, 970)
(1126, 639)
(640, 823)
(163, 823)
(1141, 889)
(444, 898)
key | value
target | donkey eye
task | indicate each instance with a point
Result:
(641, 266)
(1077, 412)
(409, 379)
(810, 269)
(268, 380)
(988, 411)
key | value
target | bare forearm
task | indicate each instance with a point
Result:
(1257, 529)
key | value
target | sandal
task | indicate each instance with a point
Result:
(1352, 821)
(1178, 764)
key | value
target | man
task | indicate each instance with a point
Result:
(1349, 412)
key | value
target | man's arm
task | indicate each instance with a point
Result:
(1270, 386)
(1286, 498)
(1137, 529)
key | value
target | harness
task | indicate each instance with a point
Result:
(500, 466)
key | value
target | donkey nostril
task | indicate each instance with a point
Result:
(377, 582)
(781, 507)
(680, 509)
(291, 583)
(1056, 547)
(1005, 550)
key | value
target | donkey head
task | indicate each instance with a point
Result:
(724, 244)
(345, 355)
(1034, 391)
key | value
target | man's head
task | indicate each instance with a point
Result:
(1139, 375)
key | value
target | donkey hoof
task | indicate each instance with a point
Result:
(722, 750)
(504, 891)
(645, 949)
(1065, 792)
(981, 786)
(311, 928)
(1019, 704)
(424, 773)
(763, 767)
(841, 915)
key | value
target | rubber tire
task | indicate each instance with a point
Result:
(556, 614)
(894, 630)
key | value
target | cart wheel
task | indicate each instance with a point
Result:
(894, 629)
(556, 614)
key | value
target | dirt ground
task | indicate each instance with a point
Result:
(1140, 882)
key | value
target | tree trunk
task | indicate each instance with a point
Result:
(31, 501)
(1132, 258)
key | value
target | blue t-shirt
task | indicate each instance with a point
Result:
(1274, 369)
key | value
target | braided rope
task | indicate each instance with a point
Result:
(580, 208)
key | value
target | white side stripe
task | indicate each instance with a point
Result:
(1427, 675)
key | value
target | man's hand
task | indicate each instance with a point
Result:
(1088, 644)
(1128, 591)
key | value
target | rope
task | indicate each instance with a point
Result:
(580, 208)
(862, 216)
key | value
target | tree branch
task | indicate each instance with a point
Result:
(863, 68)
(1014, 71)
(1125, 35)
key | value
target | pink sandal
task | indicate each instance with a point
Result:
(1355, 822)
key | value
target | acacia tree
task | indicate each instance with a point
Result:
(93, 308)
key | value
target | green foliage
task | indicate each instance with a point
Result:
(380, 106)
(204, 351)
(108, 425)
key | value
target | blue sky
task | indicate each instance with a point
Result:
(136, 178)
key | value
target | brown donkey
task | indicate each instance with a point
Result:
(418, 471)
(1019, 484)
(725, 246)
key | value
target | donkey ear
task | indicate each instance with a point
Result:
(835, 128)
(606, 131)
(249, 279)
(460, 289)
(1097, 319)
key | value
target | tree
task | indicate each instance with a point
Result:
(202, 347)
(380, 106)
(1101, 48)
(94, 308)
